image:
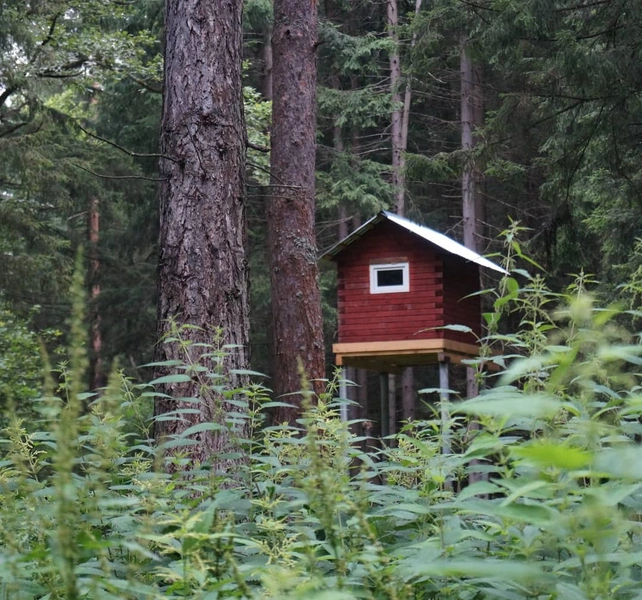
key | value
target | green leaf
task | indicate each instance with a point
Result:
(552, 454)
(512, 285)
(568, 591)
(625, 463)
(478, 488)
(176, 378)
(487, 568)
(460, 328)
(510, 403)
(247, 372)
(201, 427)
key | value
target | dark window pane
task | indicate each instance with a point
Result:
(389, 277)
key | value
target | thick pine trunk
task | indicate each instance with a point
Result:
(296, 299)
(203, 277)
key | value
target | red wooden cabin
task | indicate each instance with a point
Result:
(398, 282)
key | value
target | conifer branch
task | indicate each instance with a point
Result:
(5, 95)
(281, 183)
(47, 39)
(258, 147)
(12, 128)
(65, 71)
(141, 177)
(147, 86)
(129, 152)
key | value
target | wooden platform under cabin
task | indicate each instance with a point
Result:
(389, 356)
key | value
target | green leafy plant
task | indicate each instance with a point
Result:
(90, 508)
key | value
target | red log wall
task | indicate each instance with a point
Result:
(461, 279)
(366, 317)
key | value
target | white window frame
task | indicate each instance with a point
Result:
(389, 289)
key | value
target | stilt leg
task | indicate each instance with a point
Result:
(343, 394)
(444, 384)
(383, 379)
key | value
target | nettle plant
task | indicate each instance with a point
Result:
(89, 509)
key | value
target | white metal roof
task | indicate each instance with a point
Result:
(434, 237)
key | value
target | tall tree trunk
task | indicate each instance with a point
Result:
(468, 177)
(267, 63)
(405, 123)
(296, 299)
(469, 180)
(396, 126)
(97, 374)
(396, 118)
(343, 228)
(472, 204)
(400, 121)
(203, 277)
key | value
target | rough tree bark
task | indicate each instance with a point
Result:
(203, 277)
(296, 299)
(97, 373)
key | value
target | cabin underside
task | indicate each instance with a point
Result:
(394, 355)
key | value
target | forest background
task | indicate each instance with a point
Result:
(513, 110)
(557, 126)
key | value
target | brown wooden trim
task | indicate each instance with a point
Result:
(405, 346)
(392, 357)
(388, 261)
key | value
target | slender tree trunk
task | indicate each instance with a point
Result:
(267, 63)
(203, 278)
(342, 209)
(405, 123)
(343, 217)
(400, 121)
(478, 122)
(396, 127)
(472, 204)
(97, 374)
(469, 180)
(396, 118)
(296, 299)
(468, 177)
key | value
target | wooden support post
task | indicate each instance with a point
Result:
(364, 407)
(392, 404)
(444, 384)
(343, 395)
(408, 395)
(383, 382)
(354, 410)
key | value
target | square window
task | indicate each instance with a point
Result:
(389, 278)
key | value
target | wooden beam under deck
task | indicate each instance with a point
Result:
(398, 354)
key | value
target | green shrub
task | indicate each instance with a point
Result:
(20, 363)
(88, 508)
